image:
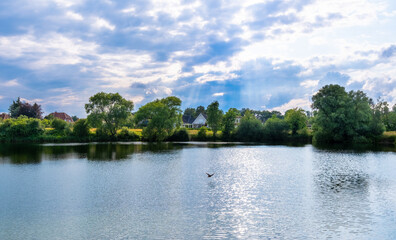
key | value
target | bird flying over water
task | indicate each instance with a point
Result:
(209, 175)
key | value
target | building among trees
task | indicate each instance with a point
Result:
(63, 116)
(4, 116)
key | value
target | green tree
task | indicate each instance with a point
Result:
(296, 118)
(344, 117)
(189, 113)
(60, 127)
(81, 128)
(108, 111)
(21, 127)
(202, 133)
(163, 116)
(276, 129)
(250, 129)
(215, 116)
(200, 109)
(229, 122)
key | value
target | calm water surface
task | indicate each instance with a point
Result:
(140, 191)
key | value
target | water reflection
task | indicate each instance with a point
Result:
(341, 193)
(36, 153)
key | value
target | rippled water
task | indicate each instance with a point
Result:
(139, 191)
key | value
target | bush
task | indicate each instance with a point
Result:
(250, 129)
(202, 133)
(276, 129)
(60, 127)
(22, 127)
(126, 135)
(81, 128)
(180, 135)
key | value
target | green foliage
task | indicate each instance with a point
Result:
(162, 115)
(229, 123)
(108, 112)
(276, 129)
(46, 123)
(81, 128)
(126, 135)
(75, 118)
(22, 127)
(344, 117)
(391, 122)
(129, 122)
(296, 119)
(199, 110)
(189, 113)
(215, 116)
(180, 135)
(250, 129)
(61, 128)
(202, 133)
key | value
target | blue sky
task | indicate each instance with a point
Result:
(256, 54)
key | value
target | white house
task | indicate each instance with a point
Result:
(195, 123)
(200, 121)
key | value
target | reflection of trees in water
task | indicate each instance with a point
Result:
(341, 196)
(28, 153)
(343, 182)
(20, 153)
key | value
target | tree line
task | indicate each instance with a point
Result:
(337, 116)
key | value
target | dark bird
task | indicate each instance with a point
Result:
(209, 175)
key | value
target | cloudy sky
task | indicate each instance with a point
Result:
(253, 53)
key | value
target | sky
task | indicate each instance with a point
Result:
(258, 54)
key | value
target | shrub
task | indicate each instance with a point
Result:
(60, 127)
(276, 129)
(21, 127)
(202, 133)
(180, 135)
(81, 128)
(250, 129)
(126, 135)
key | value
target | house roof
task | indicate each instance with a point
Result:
(191, 119)
(4, 116)
(188, 119)
(62, 116)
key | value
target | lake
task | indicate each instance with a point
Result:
(161, 191)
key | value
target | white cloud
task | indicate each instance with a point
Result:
(299, 103)
(11, 83)
(309, 83)
(211, 77)
(100, 23)
(219, 94)
(40, 52)
(74, 16)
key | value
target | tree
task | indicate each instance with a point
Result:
(163, 115)
(344, 117)
(200, 109)
(75, 118)
(296, 118)
(250, 129)
(60, 127)
(108, 111)
(215, 116)
(276, 129)
(229, 122)
(81, 128)
(18, 108)
(189, 113)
